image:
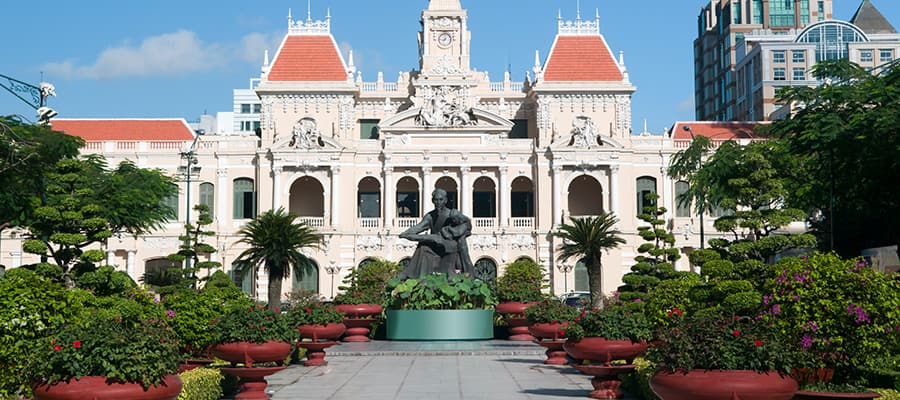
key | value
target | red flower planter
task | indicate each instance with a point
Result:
(717, 385)
(513, 313)
(322, 332)
(249, 352)
(359, 310)
(603, 350)
(547, 330)
(97, 388)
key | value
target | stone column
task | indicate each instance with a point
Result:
(129, 264)
(557, 195)
(110, 257)
(465, 191)
(222, 200)
(503, 196)
(335, 195)
(16, 258)
(389, 193)
(276, 187)
(614, 190)
(426, 183)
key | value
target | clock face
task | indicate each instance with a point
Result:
(444, 39)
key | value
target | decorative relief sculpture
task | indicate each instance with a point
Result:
(369, 243)
(584, 133)
(484, 242)
(439, 108)
(521, 242)
(306, 135)
(445, 66)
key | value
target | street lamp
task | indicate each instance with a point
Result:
(565, 269)
(38, 94)
(186, 172)
(688, 129)
(332, 270)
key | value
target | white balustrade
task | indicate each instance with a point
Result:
(522, 222)
(315, 222)
(484, 222)
(406, 222)
(370, 223)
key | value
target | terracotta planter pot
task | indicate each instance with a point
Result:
(322, 332)
(249, 352)
(718, 385)
(512, 307)
(359, 310)
(96, 388)
(513, 313)
(603, 350)
(193, 363)
(547, 330)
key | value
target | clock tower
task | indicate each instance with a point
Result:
(444, 40)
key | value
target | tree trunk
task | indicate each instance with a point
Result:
(594, 281)
(274, 292)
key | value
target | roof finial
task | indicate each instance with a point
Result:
(266, 58)
(290, 18)
(328, 13)
(559, 11)
(350, 60)
(578, 10)
(309, 10)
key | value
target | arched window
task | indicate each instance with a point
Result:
(407, 198)
(244, 199)
(524, 258)
(364, 262)
(486, 270)
(449, 186)
(522, 198)
(484, 198)
(308, 280)
(585, 196)
(646, 186)
(207, 196)
(682, 203)
(582, 283)
(368, 198)
(831, 38)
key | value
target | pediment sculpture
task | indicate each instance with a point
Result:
(439, 109)
(306, 135)
(584, 133)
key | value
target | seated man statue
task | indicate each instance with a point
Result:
(444, 248)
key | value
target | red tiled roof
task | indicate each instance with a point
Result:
(125, 129)
(308, 58)
(581, 58)
(716, 130)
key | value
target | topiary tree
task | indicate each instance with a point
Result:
(654, 260)
(183, 274)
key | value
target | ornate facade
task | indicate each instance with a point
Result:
(358, 160)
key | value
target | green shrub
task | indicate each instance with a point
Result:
(368, 283)
(521, 281)
(31, 308)
(105, 281)
(700, 257)
(725, 288)
(888, 394)
(743, 303)
(201, 384)
(638, 383)
(192, 315)
(437, 291)
(717, 269)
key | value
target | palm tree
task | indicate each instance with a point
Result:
(276, 239)
(587, 238)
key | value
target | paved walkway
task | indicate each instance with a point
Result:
(495, 370)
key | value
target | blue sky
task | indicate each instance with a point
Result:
(166, 58)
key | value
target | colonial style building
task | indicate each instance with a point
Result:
(358, 160)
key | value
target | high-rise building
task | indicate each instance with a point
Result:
(721, 25)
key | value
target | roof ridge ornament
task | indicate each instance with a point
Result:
(309, 27)
(579, 27)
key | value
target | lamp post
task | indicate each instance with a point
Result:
(332, 270)
(189, 170)
(38, 94)
(565, 269)
(688, 129)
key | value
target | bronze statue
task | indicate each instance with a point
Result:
(444, 248)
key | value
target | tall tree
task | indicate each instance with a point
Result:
(655, 257)
(846, 136)
(587, 238)
(276, 239)
(85, 203)
(27, 153)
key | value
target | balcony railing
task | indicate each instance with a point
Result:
(522, 222)
(484, 222)
(370, 223)
(315, 222)
(406, 222)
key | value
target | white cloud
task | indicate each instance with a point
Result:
(172, 54)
